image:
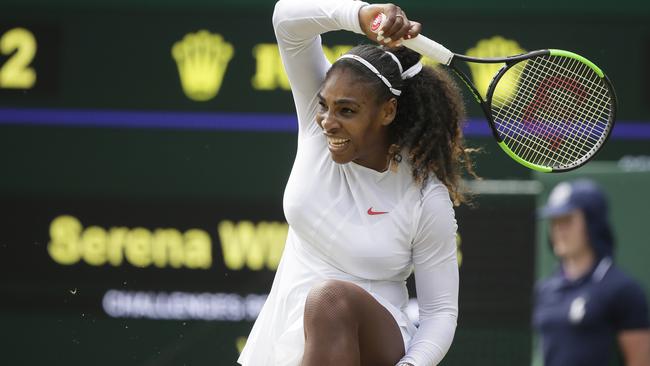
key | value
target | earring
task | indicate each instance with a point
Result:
(394, 153)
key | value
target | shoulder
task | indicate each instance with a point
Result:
(548, 284)
(435, 195)
(627, 300)
(623, 285)
(435, 207)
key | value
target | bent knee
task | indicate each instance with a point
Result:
(331, 300)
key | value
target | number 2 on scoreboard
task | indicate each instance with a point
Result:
(20, 45)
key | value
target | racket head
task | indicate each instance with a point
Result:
(551, 110)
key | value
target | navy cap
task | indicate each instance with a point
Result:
(569, 196)
(585, 195)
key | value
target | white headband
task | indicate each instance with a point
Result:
(399, 64)
(375, 71)
(409, 73)
(412, 71)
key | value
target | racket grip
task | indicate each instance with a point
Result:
(430, 48)
(420, 44)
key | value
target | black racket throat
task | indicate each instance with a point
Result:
(508, 61)
(485, 107)
(495, 60)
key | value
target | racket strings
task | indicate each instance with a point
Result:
(558, 114)
(550, 132)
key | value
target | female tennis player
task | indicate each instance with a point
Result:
(369, 200)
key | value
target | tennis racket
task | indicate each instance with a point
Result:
(550, 110)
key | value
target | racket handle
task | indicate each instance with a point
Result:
(420, 44)
(430, 48)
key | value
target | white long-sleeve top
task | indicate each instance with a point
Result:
(332, 236)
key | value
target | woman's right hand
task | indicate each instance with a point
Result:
(395, 28)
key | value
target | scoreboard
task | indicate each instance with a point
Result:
(144, 150)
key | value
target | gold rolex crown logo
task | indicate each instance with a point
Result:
(482, 74)
(202, 59)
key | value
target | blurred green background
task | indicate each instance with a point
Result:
(107, 135)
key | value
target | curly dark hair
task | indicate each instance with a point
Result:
(428, 122)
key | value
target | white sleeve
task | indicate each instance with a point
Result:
(298, 25)
(436, 279)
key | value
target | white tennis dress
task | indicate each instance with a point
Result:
(349, 222)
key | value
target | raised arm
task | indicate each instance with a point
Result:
(436, 280)
(298, 25)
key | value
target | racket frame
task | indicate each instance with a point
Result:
(509, 62)
(440, 53)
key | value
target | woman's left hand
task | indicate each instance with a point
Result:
(394, 29)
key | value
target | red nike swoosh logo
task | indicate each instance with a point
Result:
(371, 212)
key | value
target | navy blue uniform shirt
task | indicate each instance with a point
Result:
(578, 320)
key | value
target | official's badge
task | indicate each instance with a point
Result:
(577, 310)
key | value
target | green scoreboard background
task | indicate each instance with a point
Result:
(144, 148)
